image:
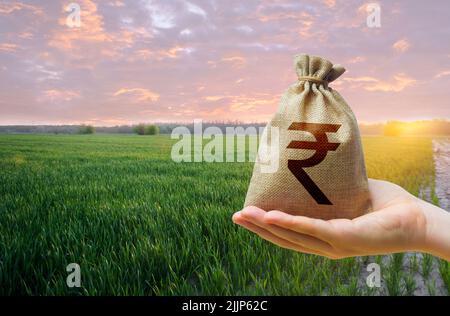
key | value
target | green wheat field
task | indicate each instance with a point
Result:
(138, 223)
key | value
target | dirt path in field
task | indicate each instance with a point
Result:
(441, 149)
(422, 269)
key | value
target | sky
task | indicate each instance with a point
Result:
(175, 61)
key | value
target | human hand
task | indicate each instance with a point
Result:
(399, 222)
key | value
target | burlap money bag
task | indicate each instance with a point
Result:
(319, 168)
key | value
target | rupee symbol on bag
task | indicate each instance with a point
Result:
(321, 147)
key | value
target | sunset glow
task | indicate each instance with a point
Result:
(160, 61)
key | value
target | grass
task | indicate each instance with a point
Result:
(393, 282)
(410, 284)
(414, 264)
(139, 224)
(444, 269)
(427, 265)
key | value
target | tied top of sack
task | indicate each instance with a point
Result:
(316, 69)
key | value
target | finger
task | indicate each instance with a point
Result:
(317, 228)
(272, 238)
(300, 239)
(266, 235)
(257, 217)
(253, 212)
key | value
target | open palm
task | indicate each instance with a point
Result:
(396, 224)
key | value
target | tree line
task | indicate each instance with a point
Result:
(390, 128)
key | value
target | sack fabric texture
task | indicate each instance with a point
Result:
(320, 170)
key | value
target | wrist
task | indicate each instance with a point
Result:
(436, 237)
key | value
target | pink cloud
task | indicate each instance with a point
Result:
(159, 54)
(235, 61)
(329, 3)
(214, 98)
(441, 74)
(400, 82)
(55, 95)
(8, 47)
(357, 59)
(401, 46)
(138, 94)
(10, 7)
(26, 35)
(91, 36)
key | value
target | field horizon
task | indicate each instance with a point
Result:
(431, 127)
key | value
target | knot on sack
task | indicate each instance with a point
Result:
(312, 79)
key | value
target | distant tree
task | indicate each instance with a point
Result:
(86, 129)
(146, 129)
(151, 130)
(139, 129)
